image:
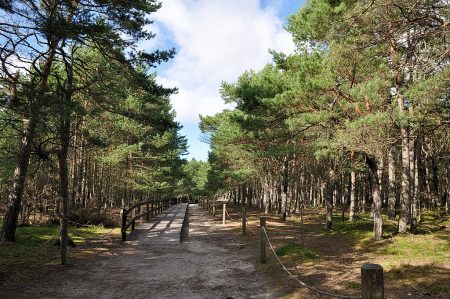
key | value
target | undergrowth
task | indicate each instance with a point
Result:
(296, 251)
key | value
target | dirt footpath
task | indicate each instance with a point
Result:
(211, 263)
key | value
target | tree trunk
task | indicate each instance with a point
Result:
(405, 192)
(405, 198)
(329, 191)
(284, 190)
(64, 185)
(416, 193)
(352, 195)
(8, 230)
(377, 219)
(266, 194)
(391, 185)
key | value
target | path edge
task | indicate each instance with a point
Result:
(185, 227)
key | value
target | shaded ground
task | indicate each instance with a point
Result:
(212, 263)
(416, 266)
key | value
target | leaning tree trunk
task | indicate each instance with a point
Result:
(8, 230)
(377, 219)
(9, 227)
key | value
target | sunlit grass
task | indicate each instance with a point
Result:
(296, 252)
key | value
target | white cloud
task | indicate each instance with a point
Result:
(216, 41)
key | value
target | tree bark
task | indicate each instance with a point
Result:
(405, 192)
(377, 219)
(416, 193)
(352, 195)
(284, 190)
(391, 185)
(266, 194)
(9, 227)
(329, 192)
(64, 185)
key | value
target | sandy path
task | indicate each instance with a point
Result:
(209, 264)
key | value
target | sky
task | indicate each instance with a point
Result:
(215, 40)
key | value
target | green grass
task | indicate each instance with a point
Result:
(35, 247)
(296, 252)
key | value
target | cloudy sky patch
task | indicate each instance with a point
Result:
(216, 41)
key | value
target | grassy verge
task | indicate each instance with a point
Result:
(35, 249)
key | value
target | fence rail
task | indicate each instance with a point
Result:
(153, 207)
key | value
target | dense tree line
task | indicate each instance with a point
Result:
(84, 126)
(356, 119)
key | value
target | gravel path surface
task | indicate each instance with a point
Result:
(209, 264)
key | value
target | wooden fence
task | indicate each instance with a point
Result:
(147, 209)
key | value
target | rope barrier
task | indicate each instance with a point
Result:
(301, 282)
(232, 219)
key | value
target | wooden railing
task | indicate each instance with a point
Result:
(152, 208)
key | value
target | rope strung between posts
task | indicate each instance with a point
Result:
(232, 219)
(301, 282)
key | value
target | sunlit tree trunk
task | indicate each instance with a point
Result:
(329, 194)
(377, 219)
(391, 184)
(352, 194)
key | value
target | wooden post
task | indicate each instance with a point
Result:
(372, 284)
(262, 239)
(244, 220)
(214, 209)
(124, 223)
(148, 211)
(224, 212)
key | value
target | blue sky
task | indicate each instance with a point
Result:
(216, 41)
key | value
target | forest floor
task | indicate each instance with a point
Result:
(217, 261)
(415, 266)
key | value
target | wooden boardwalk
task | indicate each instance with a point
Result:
(164, 229)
